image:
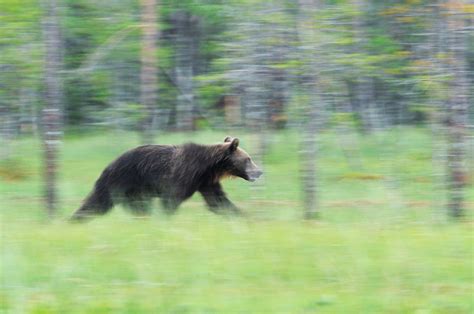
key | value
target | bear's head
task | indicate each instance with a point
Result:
(239, 162)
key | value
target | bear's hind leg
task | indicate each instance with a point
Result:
(139, 205)
(97, 203)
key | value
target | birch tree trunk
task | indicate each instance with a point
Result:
(308, 149)
(53, 96)
(435, 48)
(365, 85)
(457, 108)
(148, 75)
(6, 133)
(186, 35)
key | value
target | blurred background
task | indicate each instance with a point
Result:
(360, 113)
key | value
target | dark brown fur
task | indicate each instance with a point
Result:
(173, 173)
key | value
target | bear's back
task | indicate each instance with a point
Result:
(143, 165)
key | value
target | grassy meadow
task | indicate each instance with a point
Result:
(382, 244)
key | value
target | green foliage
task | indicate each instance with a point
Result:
(87, 26)
(344, 118)
(369, 39)
(20, 50)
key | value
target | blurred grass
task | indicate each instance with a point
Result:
(383, 244)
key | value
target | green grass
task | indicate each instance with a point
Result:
(382, 245)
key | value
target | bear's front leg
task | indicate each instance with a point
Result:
(216, 199)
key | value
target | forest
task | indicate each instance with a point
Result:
(359, 112)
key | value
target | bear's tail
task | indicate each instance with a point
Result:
(97, 203)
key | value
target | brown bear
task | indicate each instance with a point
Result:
(172, 173)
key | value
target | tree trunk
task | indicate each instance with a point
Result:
(257, 122)
(52, 112)
(308, 149)
(365, 85)
(186, 26)
(148, 75)
(436, 47)
(457, 109)
(6, 133)
(308, 155)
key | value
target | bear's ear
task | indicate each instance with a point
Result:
(234, 144)
(228, 139)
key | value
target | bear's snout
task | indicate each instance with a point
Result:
(254, 175)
